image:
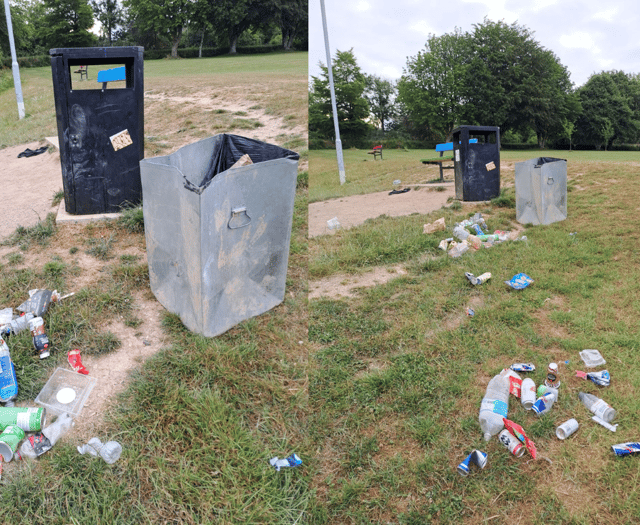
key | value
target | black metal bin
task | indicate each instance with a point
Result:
(100, 127)
(476, 164)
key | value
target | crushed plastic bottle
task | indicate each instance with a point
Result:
(37, 444)
(598, 406)
(109, 451)
(494, 406)
(8, 380)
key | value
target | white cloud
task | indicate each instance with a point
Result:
(362, 6)
(608, 15)
(579, 40)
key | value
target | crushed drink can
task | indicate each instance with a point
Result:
(292, 461)
(523, 367)
(512, 443)
(544, 403)
(601, 378)
(626, 449)
(9, 439)
(40, 339)
(478, 280)
(477, 456)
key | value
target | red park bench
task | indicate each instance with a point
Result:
(376, 151)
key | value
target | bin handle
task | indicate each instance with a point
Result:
(239, 218)
(550, 181)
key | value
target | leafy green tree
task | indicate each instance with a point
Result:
(432, 87)
(293, 19)
(163, 17)
(352, 106)
(609, 110)
(67, 24)
(234, 17)
(110, 15)
(380, 94)
(513, 82)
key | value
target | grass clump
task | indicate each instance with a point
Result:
(38, 234)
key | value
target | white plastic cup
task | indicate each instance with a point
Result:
(528, 393)
(566, 429)
(512, 443)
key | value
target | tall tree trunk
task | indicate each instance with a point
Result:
(176, 41)
(233, 43)
(201, 42)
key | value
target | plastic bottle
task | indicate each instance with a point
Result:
(8, 380)
(109, 451)
(494, 406)
(37, 444)
(460, 232)
(20, 323)
(598, 406)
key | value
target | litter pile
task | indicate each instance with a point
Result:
(63, 395)
(472, 234)
(494, 407)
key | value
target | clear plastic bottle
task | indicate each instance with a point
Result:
(598, 406)
(8, 380)
(37, 444)
(494, 406)
(460, 232)
(109, 451)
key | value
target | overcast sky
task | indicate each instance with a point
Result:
(588, 36)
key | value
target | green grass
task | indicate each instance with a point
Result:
(398, 372)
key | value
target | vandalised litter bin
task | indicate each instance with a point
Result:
(476, 164)
(218, 236)
(100, 129)
(541, 190)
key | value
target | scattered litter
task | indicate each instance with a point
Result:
(39, 301)
(552, 380)
(444, 244)
(523, 367)
(478, 280)
(543, 404)
(109, 451)
(470, 311)
(592, 358)
(9, 440)
(245, 160)
(512, 443)
(601, 378)
(567, 428)
(8, 380)
(396, 192)
(528, 393)
(519, 432)
(37, 444)
(17, 325)
(55, 395)
(292, 461)
(605, 424)
(598, 406)
(519, 281)
(40, 339)
(333, 224)
(6, 315)
(626, 449)
(29, 419)
(435, 226)
(457, 249)
(494, 406)
(31, 152)
(397, 182)
(76, 362)
(477, 456)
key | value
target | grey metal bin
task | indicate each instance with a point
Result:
(541, 190)
(218, 237)
(476, 163)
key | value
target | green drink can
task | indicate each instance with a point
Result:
(28, 419)
(9, 440)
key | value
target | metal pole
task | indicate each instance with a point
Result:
(14, 62)
(333, 96)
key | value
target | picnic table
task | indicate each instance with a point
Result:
(441, 148)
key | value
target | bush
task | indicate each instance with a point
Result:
(35, 61)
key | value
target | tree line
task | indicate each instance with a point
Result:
(40, 25)
(497, 74)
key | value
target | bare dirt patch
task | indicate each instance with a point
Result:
(355, 209)
(342, 285)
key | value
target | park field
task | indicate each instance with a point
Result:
(398, 368)
(198, 419)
